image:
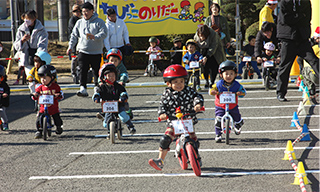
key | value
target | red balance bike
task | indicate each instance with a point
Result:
(186, 149)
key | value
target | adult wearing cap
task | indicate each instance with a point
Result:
(176, 57)
(294, 30)
(76, 15)
(266, 13)
(117, 34)
(88, 34)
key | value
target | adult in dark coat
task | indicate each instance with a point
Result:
(294, 30)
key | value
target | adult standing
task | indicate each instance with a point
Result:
(219, 24)
(30, 38)
(76, 15)
(294, 31)
(211, 48)
(265, 35)
(88, 34)
(117, 33)
(266, 13)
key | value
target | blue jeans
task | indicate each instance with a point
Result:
(254, 66)
(124, 117)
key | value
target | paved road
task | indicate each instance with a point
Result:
(81, 159)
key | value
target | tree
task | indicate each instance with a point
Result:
(249, 14)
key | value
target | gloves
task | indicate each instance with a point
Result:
(96, 97)
(123, 99)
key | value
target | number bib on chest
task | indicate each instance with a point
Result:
(179, 127)
(227, 98)
(194, 64)
(110, 107)
(46, 100)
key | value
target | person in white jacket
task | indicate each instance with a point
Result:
(117, 35)
(88, 35)
(30, 38)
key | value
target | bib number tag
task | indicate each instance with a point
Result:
(268, 64)
(153, 56)
(194, 64)
(246, 58)
(110, 107)
(227, 98)
(46, 99)
(180, 128)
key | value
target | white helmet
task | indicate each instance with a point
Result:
(269, 46)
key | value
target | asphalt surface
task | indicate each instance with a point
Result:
(82, 159)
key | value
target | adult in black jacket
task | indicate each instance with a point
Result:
(294, 30)
(265, 35)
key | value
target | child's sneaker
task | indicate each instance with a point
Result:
(218, 138)
(59, 130)
(145, 74)
(38, 135)
(100, 116)
(237, 127)
(129, 112)
(237, 131)
(16, 83)
(198, 88)
(5, 126)
(132, 130)
(156, 163)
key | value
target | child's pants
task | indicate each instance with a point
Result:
(254, 66)
(235, 114)
(56, 118)
(3, 115)
(124, 117)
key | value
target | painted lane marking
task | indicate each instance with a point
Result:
(201, 150)
(168, 175)
(211, 119)
(211, 133)
(252, 107)
(240, 99)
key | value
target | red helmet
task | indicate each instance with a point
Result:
(184, 3)
(114, 52)
(173, 72)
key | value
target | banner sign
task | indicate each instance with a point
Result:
(157, 17)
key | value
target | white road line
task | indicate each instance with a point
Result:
(168, 175)
(252, 107)
(201, 150)
(212, 133)
(246, 98)
(211, 119)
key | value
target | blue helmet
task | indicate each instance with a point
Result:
(44, 56)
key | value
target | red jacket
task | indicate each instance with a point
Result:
(51, 90)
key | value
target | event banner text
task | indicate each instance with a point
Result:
(157, 17)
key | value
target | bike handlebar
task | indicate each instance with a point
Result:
(191, 114)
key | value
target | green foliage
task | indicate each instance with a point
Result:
(252, 30)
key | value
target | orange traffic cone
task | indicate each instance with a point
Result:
(300, 172)
(289, 148)
(295, 70)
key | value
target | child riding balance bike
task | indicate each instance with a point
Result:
(228, 84)
(176, 95)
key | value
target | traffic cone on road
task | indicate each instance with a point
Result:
(301, 110)
(301, 86)
(289, 148)
(307, 91)
(306, 100)
(305, 130)
(300, 172)
(294, 118)
(295, 69)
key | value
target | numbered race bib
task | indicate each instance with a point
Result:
(153, 56)
(179, 128)
(246, 58)
(268, 64)
(227, 98)
(46, 99)
(194, 64)
(110, 107)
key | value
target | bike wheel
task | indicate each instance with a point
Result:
(267, 83)
(245, 75)
(112, 127)
(251, 73)
(194, 83)
(119, 130)
(193, 158)
(183, 161)
(45, 127)
(227, 131)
